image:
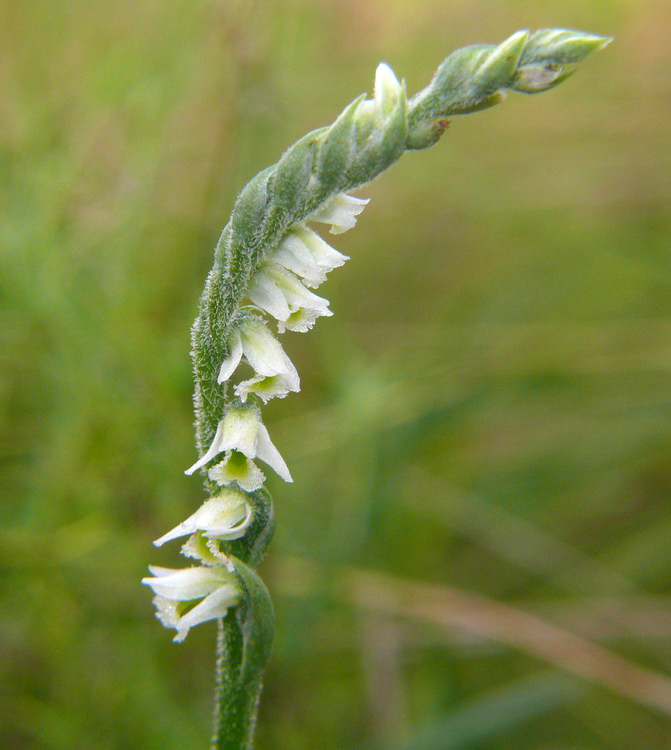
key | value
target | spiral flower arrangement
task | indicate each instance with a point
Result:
(267, 264)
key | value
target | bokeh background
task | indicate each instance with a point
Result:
(476, 552)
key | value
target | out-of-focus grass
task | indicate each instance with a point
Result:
(490, 404)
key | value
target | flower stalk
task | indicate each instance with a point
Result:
(267, 263)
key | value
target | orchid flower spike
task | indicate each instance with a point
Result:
(267, 264)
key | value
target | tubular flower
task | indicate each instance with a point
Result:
(224, 516)
(213, 589)
(242, 430)
(261, 350)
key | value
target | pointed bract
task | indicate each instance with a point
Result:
(388, 90)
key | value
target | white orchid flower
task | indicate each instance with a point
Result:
(264, 353)
(242, 430)
(281, 293)
(225, 516)
(306, 254)
(216, 587)
(340, 212)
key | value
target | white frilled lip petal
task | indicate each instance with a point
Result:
(229, 365)
(166, 611)
(340, 212)
(274, 386)
(265, 293)
(212, 607)
(302, 320)
(267, 452)
(185, 584)
(225, 516)
(250, 480)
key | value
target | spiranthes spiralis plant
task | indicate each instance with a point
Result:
(266, 264)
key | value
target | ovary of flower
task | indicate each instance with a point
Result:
(217, 587)
(236, 467)
(225, 516)
(263, 352)
(242, 430)
(280, 293)
(305, 253)
(340, 212)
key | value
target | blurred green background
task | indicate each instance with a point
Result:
(488, 414)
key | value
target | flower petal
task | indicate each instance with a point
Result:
(225, 516)
(263, 351)
(295, 293)
(326, 256)
(214, 450)
(267, 452)
(184, 584)
(212, 607)
(302, 320)
(275, 386)
(340, 212)
(388, 90)
(265, 293)
(295, 256)
(240, 431)
(229, 365)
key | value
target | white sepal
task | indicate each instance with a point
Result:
(268, 453)
(326, 256)
(225, 516)
(340, 212)
(296, 295)
(213, 607)
(185, 584)
(281, 293)
(293, 255)
(229, 365)
(264, 292)
(305, 253)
